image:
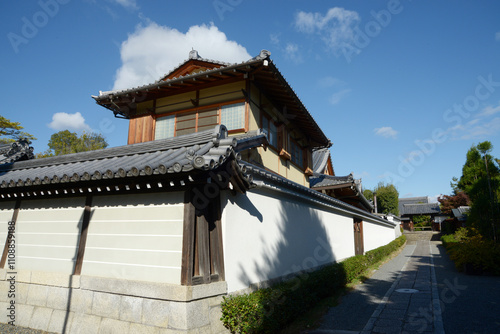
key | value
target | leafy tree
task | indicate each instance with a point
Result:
(447, 203)
(387, 198)
(481, 182)
(368, 194)
(422, 220)
(11, 131)
(66, 142)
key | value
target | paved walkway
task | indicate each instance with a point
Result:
(419, 291)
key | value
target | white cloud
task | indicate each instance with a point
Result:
(127, 3)
(292, 53)
(336, 97)
(335, 28)
(476, 130)
(154, 50)
(386, 131)
(275, 39)
(329, 81)
(65, 121)
(482, 126)
(490, 111)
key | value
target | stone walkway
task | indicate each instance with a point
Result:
(401, 297)
(411, 305)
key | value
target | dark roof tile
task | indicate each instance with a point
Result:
(201, 151)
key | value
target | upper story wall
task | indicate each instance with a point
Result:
(247, 96)
(241, 107)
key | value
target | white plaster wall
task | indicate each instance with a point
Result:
(267, 235)
(136, 237)
(376, 235)
(397, 230)
(6, 211)
(47, 233)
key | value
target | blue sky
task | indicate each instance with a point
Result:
(402, 88)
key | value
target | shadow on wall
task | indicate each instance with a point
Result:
(293, 241)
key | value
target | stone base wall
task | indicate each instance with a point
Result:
(83, 304)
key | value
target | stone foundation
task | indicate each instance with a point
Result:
(83, 304)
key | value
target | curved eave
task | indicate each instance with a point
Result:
(262, 72)
(123, 102)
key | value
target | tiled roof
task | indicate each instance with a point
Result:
(262, 176)
(320, 160)
(201, 151)
(420, 209)
(461, 212)
(322, 181)
(411, 200)
(16, 151)
(261, 68)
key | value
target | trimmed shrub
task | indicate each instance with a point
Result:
(472, 253)
(272, 309)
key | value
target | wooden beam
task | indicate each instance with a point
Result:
(5, 252)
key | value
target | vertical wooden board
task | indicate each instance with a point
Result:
(203, 247)
(131, 131)
(188, 243)
(147, 128)
(138, 129)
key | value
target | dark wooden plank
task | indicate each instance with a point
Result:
(216, 243)
(83, 235)
(5, 252)
(188, 240)
(203, 247)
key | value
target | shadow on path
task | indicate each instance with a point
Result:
(470, 304)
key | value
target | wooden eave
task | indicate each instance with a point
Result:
(263, 73)
(189, 67)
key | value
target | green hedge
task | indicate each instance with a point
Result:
(272, 309)
(472, 253)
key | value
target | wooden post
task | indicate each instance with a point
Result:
(83, 235)
(7, 241)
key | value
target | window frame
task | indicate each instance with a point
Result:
(199, 110)
(269, 122)
(293, 143)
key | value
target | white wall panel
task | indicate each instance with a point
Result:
(267, 235)
(376, 235)
(137, 237)
(47, 233)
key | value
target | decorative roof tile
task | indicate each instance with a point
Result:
(16, 151)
